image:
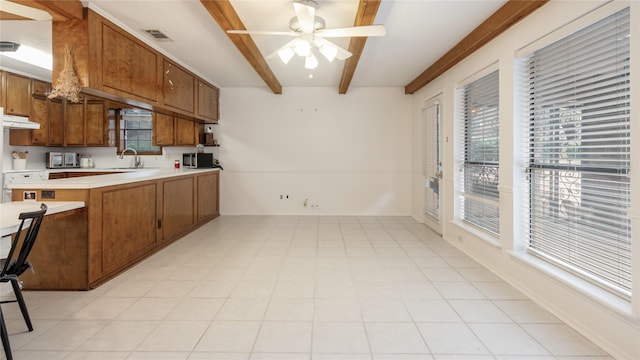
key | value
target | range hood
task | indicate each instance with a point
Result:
(17, 122)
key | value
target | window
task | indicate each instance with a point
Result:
(478, 165)
(134, 130)
(578, 153)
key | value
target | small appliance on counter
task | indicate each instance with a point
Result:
(57, 160)
(197, 160)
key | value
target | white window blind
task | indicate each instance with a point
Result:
(478, 181)
(578, 154)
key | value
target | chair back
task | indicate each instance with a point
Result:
(33, 219)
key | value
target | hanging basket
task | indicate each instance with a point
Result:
(67, 86)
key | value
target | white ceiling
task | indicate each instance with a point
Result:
(418, 33)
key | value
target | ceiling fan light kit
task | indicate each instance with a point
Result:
(310, 33)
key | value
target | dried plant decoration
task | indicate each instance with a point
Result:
(68, 85)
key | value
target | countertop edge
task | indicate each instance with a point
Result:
(98, 181)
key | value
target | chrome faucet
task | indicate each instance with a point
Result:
(136, 158)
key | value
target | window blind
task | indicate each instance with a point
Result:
(579, 153)
(478, 181)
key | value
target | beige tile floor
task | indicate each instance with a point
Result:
(259, 287)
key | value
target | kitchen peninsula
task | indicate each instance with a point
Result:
(129, 215)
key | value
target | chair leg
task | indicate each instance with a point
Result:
(5, 337)
(23, 306)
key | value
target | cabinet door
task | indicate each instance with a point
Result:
(177, 207)
(128, 225)
(207, 196)
(95, 123)
(185, 132)
(178, 87)
(56, 123)
(41, 88)
(74, 123)
(127, 65)
(163, 129)
(208, 101)
(18, 92)
(40, 114)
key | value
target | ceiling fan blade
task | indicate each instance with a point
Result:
(355, 31)
(262, 32)
(306, 13)
(341, 54)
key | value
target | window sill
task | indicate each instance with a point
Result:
(618, 305)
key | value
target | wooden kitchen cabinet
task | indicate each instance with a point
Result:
(208, 194)
(178, 207)
(163, 127)
(65, 252)
(96, 129)
(128, 65)
(108, 61)
(126, 226)
(112, 64)
(56, 122)
(172, 130)
(17, 95)
(49, 114)
(40, 114)
(120, 226)
(185, 132)
(86, 123)
(177, 87)
(74, 123)
(208, 101)
(41, 88)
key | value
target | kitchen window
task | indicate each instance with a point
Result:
(478, 164)
(132, 128)
(578, 136)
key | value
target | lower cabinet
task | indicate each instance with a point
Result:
(178, 212)
(120, 226)
(127, 230)
(208, 191)
(59, 256)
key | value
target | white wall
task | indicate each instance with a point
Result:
(347, 154)
(609, 321)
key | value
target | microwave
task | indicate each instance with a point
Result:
(197, 160)
(55, 160)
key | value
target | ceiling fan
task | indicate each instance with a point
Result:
(310, 32)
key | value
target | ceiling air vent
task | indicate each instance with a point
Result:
(157, 34)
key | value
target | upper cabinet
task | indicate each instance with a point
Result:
(115, 65)
(177, 87)
(17, 94)
(106, 59)
(208, 96)
(129, 68)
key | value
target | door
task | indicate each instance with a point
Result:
(431, 163)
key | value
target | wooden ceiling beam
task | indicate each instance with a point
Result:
(60, 10)
(225, 15)
(366, 14)
(505, 17)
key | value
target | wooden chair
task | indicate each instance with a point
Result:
(12, 267)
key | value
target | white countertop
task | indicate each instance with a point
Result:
(123, 177)
(9, 212)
